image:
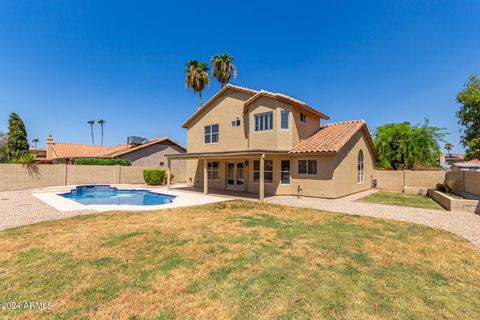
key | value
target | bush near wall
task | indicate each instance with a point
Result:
(153, 176)
(103, 162)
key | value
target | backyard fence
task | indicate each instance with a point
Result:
(19, 177)
(467, 181)
(399, 180)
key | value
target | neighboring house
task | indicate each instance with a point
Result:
(243, 137)
(446, 160)
(149, 154)
(471, 165)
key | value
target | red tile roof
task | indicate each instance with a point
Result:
(332, 137)
(73, 150)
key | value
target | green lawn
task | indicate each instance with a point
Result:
(238, 260)
(402, 199)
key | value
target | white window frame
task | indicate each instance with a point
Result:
(236, 123)
(211, 170)
(264, 171)
(265, 119)
(360, 168)
(307, 173)
(285, 171)
(211, 134)
(287, 113)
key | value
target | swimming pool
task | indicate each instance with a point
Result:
(108, 195)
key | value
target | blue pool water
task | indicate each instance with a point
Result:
(105, 194)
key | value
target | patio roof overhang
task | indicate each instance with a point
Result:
(225, 154)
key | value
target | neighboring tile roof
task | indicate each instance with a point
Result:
(73, 150)
(473, 161)
(255, 95)
(287, 99)
(129, 149)
(332, 137)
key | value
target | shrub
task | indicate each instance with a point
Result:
(103, 162)
(450, 185)
(27, 159)
(153, 177)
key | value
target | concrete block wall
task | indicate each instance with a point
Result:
(467, 181)
(397, 180)
(19, 177)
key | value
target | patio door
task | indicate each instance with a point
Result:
(236, 175)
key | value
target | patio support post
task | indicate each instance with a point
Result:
(205, 176)
(168, 173)
(262, 178)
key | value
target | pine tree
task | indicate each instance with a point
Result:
(17, 143)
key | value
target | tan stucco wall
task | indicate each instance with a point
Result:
(346, 173)
(336, 174)
(153, 155)
(18, 177)
(230, 105)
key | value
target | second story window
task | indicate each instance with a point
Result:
(264, 121)
(211, 133)
(303, 117)
(284, 119)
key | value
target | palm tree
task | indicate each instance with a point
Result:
(222, 68)
(91, 123)
(101, 122)
(196, 76)
(448, 147)
(35, 141)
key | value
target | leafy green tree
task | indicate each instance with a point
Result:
(101, 122)
(469, 116)
(196, 76)
(17, 142)
(91, 123)
(403, 146)
(223, 68)
(3, 147)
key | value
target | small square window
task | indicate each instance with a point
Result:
(303, 117)
(236, 123)
(162, 164)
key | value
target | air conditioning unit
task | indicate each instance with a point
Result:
(136, 140)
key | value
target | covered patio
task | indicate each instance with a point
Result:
(236, 173)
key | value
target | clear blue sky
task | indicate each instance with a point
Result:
(65, 62)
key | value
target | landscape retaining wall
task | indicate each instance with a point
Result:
(19, 177)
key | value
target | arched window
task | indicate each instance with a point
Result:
(360, 168)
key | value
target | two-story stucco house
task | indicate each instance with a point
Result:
(269, 143)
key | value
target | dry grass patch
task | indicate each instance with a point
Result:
(238, 260)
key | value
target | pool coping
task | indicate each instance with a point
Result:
(51, 196)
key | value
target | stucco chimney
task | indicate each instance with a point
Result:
(49, 147)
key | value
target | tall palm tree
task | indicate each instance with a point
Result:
(101, 122)
(448, 147)
(223, 68)
(35, 141)
(196, 76)
(91, 123)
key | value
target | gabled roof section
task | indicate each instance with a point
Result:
(215, 96)
(256, 94)
(74, 150)
(152, 142)
(332, 137)
(279, 96)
